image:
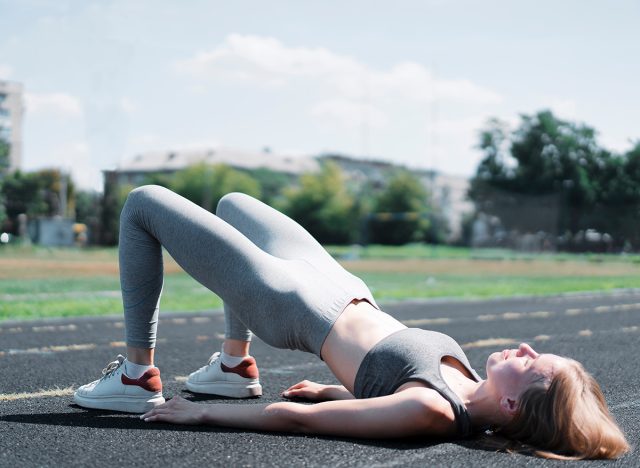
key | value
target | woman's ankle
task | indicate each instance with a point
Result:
(141, 356)
(236, 348)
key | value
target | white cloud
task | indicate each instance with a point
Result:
(153, 142)
(75, 157)
(5, 71)
(59, 104)
(127, 105)
(349, 114)
(452, 142)
(617, 143)
(562, 108)
(266, 61)
(145, 140)
(457, 127)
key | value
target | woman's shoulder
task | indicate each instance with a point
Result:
(439, 417)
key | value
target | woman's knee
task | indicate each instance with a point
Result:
(230, 203)
(143, 193)
(140, 197)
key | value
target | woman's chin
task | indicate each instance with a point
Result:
(493, 359)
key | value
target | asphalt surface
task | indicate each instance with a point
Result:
(602, 331)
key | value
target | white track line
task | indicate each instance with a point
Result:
(489, 342)
(50, 349)
(56, 392)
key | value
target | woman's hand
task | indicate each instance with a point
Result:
(176, 411)
(313, 391)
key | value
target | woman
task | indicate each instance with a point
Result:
(277, 281)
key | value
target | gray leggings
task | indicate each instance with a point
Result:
(275, 279)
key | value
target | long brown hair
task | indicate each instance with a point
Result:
(567, 419)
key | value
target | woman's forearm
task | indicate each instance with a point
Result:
(337, 392)
(280, 417)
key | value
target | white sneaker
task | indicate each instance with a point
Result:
(241, 381)
(115, 391)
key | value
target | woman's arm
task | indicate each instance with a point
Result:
(313, 391)
(411, 412)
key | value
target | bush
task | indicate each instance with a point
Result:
(323, 206)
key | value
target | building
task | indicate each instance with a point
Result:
(135, 170)
(11, 111)
(448, 192)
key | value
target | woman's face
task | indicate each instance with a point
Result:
(512, 371)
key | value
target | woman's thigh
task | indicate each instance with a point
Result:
(275, 233)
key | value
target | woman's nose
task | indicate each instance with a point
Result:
(525, 349)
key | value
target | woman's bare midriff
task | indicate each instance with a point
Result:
(358, 329)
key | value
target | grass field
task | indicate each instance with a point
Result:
(38, 282)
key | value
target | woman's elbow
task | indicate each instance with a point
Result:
(288, 417)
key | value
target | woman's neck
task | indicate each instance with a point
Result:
(482, 404)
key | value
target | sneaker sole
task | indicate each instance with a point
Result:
(228, 389)
(119, 403)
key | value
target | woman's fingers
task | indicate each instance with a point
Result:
(296, 386)
(158, 415)
(160, 409)
(303, 384)
(177, 411)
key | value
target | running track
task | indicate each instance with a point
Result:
(42, 362)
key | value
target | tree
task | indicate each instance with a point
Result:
(551, 175)
(5, 149)
(206, 184)
(271, 183)
(322, 204)
(35, 194)
(113, 200)
(23, 194)
(3, 210)
(87, 207)
(4, 165)
(159, 178)
(52, 183)
(401, 211)
(550, 161)
(617, 210)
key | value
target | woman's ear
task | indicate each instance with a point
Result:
(508, 405)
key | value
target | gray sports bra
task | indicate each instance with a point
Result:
(413, 354)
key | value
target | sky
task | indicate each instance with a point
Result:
(410, 82)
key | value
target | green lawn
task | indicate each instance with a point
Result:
(36, 282)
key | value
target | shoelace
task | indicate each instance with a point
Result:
(112, 367)
(214, 357)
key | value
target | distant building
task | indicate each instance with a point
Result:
(52, 232)
(447, 192)
(359, 171)
(135, 170)
(11, 111)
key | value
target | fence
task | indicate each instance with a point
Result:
(553, 222)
